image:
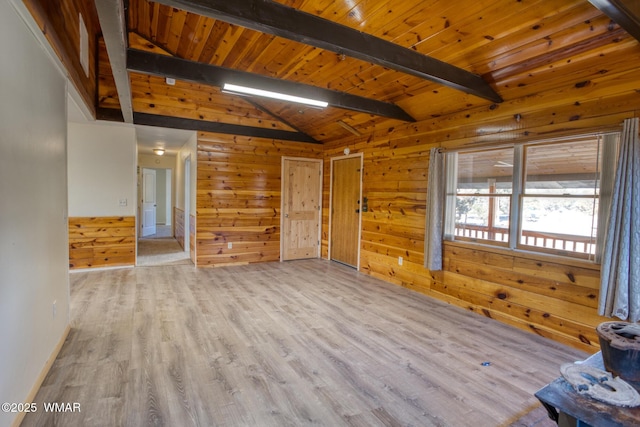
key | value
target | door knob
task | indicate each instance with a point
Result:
(357, 210)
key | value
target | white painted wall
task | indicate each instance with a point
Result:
(161, 196)
(102, 169)
(168, 197)
(33, 205)
(190, 148)
(188, 151)
(152, 161)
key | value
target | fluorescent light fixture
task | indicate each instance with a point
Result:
(158, 151)
(243, 90)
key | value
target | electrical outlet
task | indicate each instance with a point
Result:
(400, 260)
(123, 202)
(55, 308)
(229, 245)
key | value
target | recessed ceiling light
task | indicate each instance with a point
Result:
(244, 90)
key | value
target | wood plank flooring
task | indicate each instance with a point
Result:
(285, 344)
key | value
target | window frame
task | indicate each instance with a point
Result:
(607, 153)
(490, 196)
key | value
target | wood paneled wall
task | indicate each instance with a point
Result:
(551, 296)
(59, 20)
(102, 242)
(238, 197)
(238, 202)
(192, 238)
(178, 225)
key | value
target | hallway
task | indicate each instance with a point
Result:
(161, 249)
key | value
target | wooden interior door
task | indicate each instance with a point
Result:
(345, 209)
(301, 202)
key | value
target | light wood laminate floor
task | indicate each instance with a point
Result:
(285, 344)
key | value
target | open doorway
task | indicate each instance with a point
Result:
(157, 244)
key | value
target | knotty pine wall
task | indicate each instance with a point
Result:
(192, 238)
(102, 242)
(60, 23)
(238, 197)
(238, 201)
(551, 296)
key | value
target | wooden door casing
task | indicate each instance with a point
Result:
(346, 192)
(301, 208)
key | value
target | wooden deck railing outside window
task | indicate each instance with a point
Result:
(557, 241)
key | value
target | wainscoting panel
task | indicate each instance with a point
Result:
(102, 241)
(178, 215)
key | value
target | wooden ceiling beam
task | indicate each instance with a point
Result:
(283, 21)
(218, 127)
(213, 75)
(625, 13)
(112, 22)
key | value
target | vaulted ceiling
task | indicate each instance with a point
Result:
(377, 63)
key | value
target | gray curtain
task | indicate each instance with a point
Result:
(620, 269)
(435, 206)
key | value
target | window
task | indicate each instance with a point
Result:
(483, 191)
(543, 196)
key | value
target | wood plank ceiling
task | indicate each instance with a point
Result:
(516, 48)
